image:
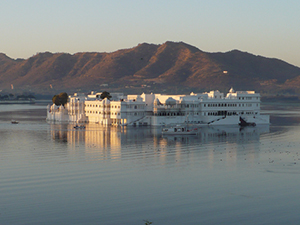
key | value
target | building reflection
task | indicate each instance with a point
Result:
(216, 143)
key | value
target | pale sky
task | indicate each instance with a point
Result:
(269, 28)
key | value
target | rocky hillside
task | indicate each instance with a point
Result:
(170, 67)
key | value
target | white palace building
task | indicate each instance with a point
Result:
(210, 108)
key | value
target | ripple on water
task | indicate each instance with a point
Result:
(53, 174)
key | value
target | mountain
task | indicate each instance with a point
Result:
(170, 67)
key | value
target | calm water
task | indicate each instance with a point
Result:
(53, 174)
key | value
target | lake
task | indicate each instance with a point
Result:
(55, 174)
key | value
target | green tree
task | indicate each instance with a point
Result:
(147, 222)
(63, 98)
(60, 99)
(31, 96)
(21, 97)
(105, 94)
(55, 100)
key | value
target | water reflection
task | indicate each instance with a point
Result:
(110, 173)
(231, 134)
(97, 135)
(100, 136)
(223, 143)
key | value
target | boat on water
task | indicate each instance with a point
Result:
(180, 130)
(14, 122)
(244, 123)
(79, 127)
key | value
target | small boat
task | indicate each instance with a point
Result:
(244, 123)
(79, 127)
(180, 130)
(14, 122)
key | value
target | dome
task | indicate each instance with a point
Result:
(182, 101)
(170, 101)
(157, 102)
(231, 90)
(139, 99)
(106, 101)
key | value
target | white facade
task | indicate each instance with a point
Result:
(212, 108)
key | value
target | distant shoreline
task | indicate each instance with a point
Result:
(280, 98)
(17, 101)
(263, 99)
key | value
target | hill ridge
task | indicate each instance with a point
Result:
(171, 66)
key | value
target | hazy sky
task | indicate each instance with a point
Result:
(270, 28)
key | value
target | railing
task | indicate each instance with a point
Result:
(134, 121)
(216, 120)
